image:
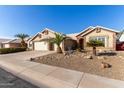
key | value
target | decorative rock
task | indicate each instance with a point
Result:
(31, 59)
(120, 56)
(101, 57)
(88, 57)
(105, 65)
(65, 53)
(82, 55)
(100, 51)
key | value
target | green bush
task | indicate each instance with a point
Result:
(95, 43)
(11, 50)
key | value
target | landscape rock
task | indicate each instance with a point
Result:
(88, 57)
(105, 65)
(101, 57)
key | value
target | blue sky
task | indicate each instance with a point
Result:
(65, 19)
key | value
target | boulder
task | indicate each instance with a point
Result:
(105, 65)
(88, 57)
(32, 59)
(101, 57)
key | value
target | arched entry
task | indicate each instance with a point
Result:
(81, 43)
(50, 46)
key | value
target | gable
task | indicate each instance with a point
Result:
(85, 31)
(44, 34)
(97, 30)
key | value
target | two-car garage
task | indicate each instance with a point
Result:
(44, 46)
(40, 45)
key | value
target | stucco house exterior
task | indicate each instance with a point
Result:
(40, 41)
(13, 43)
(3, 40)
(108, 36)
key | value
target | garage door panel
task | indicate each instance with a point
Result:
(40, 46)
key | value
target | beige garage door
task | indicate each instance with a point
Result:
(41, 46)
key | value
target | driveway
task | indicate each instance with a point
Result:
(24, 55)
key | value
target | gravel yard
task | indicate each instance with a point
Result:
(78, 61)
(7, 80)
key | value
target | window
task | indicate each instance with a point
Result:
(101, 38)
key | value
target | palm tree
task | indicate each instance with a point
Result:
(58, 40)
(94, 44)
(22, 36)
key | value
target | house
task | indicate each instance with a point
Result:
(40, 41)
(13, 43)
(108, 36)
(3, 40)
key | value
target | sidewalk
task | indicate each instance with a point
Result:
(43, 75)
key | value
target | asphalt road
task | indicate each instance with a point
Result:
(7, 80)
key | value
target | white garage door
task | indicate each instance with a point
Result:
(40, 46)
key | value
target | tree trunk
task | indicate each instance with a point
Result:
(59, 50)
(23, 44)
(94, 51)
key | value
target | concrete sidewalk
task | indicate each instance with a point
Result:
(43, 75)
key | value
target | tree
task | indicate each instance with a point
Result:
(58, 40)
(22, 37)
(94, 44)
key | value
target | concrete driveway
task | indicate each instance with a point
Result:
(25, 55)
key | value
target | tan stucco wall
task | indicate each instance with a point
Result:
(111, 38)
(50, 34)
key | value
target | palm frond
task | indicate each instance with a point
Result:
(59, 37)
(21, 36)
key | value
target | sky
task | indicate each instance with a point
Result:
(65, 19)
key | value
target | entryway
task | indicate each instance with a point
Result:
(81, 43)
(51, 46)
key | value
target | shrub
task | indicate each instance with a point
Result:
(94, 44)
(11, 50)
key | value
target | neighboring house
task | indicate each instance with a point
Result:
(1, 42)
(40, 41)
(120, 41)
(108, 36)
(14, 43)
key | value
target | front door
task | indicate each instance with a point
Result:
(81, 43)
(51, 46)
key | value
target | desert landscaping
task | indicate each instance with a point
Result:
(85, 62)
